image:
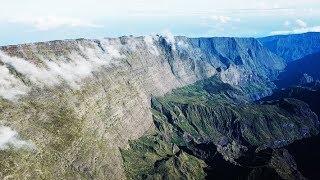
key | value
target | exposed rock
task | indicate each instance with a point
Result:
(232, 151)
(79, 101)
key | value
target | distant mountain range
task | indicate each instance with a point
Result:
(294, 46)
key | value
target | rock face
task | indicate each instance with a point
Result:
(294, 46)
(76, 102)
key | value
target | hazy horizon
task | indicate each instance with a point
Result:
(35, 20)
(160, 34)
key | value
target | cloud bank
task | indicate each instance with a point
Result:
(56, 71)
(9, 138)
(301, 27)
(297, 31)
(301, 23)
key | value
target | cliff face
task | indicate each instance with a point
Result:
(68, 106)
(294, 46)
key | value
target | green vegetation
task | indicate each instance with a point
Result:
(150, 157)
(211, 111)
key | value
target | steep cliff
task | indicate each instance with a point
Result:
(68, 106)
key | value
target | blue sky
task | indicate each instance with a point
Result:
(42, 20)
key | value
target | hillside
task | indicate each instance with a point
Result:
(68, 106)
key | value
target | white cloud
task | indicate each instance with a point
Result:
(10, 87)
(302, 27)
(53, 22)
(218, 21)
(280, 32)
(301, 23)
(57, 70)
(10, 138)
(169, 37)
(287, 23)
(297, 31)
(115, 15)
(221, 19)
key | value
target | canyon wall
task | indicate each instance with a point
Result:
(68, 106)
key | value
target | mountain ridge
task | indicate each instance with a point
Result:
(97, 95)
(293, 46)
